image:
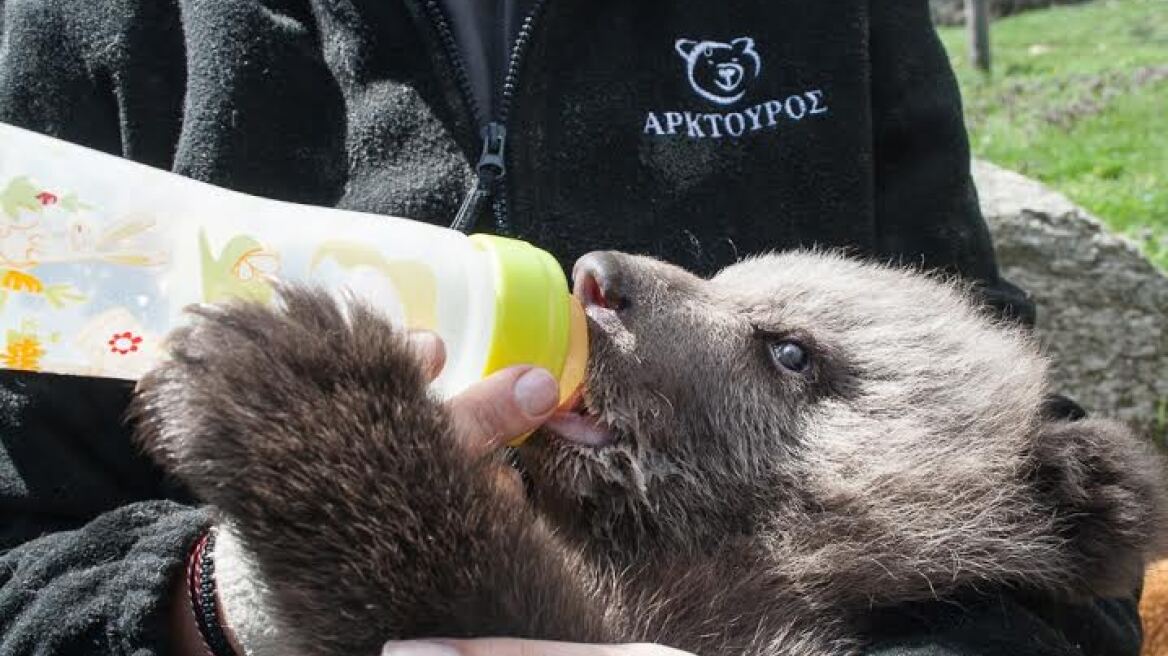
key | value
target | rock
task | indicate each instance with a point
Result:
(952, 12)
(1102, 306)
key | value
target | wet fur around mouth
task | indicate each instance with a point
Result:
(744, 509)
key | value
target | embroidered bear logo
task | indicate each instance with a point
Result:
(720, 72)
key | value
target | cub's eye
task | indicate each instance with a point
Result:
(790, 355)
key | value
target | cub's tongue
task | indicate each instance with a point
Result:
(582, 429)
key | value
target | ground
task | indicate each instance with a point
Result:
(1078, 99)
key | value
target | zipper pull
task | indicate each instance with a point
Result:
(494, 141)
(489, 169)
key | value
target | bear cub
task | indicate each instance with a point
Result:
(761, 462)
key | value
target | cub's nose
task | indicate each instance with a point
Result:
(597, 281)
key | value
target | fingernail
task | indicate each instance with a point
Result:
(536, 392)
(417, 648)
(426, 341)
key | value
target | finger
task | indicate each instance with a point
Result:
(509, 647)
(430, 351)
(504, 405)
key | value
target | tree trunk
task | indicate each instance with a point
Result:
(977, 23)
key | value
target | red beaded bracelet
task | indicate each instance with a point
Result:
(204, 602)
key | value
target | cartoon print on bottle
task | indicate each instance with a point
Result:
(406, 291)
(40, 227)
(243, 269)
(116, 343)
(111, 330)
(23, 348)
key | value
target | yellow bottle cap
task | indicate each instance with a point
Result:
(537, 321)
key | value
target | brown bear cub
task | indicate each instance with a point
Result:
(760, 460)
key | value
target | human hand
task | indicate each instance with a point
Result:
(504, 405)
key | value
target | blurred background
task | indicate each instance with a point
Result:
(1066, 103)
(1077, 97)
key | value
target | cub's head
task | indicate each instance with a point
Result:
(793, 385)
(720, 72)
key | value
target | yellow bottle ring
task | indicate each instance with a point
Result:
(537, 321)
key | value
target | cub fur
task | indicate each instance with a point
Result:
(774, 452)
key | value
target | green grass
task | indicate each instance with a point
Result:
(1078, 98)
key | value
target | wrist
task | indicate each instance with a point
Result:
(184, 632)
(244, 600)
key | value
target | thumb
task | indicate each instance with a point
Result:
(509, 647)
(504, 405)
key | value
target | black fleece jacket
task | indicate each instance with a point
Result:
(698, 132)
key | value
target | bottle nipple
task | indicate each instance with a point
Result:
(576, 361)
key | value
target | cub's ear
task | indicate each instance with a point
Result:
(1106, 488)
(684, 47)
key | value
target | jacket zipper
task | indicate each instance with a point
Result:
(489, 171)
(491, 166)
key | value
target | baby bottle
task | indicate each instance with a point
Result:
(99, 255)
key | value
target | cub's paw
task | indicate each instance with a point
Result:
(257, 400)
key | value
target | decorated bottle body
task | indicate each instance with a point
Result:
(99, 255)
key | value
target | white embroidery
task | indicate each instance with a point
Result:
(720, 72)
(767, 114)
(816, 97)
